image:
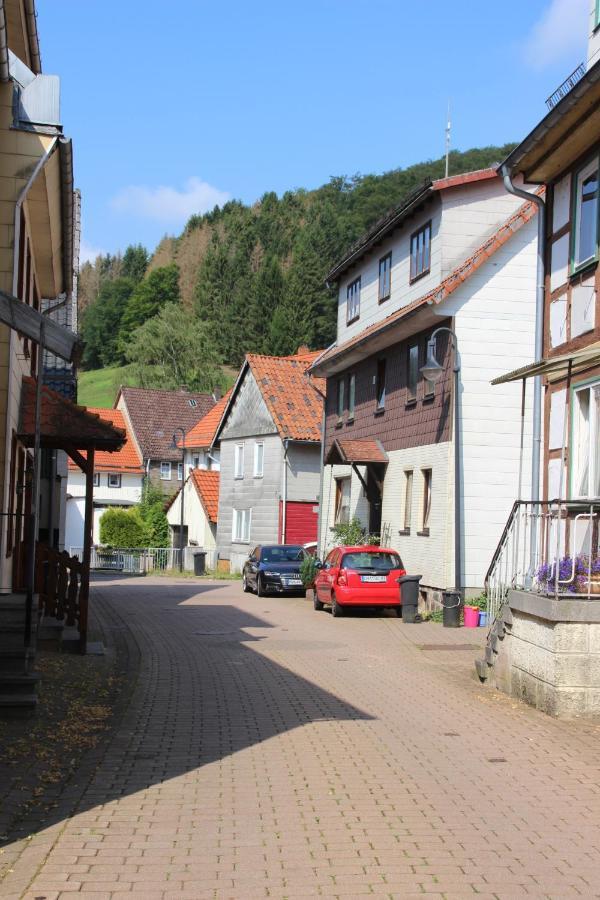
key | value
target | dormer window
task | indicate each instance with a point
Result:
(353, 301)
(420, 252)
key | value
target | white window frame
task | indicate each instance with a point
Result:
(353, 301)
(351, 396)
(115, 475)
(195, 462)
(238, 461)
(343, 490)
(96, 479)
(165, 467)
(426, 499)
(585, 443)
(409, 478)
(241, 525)
(259, 459)
(580, 176)
(179, 471)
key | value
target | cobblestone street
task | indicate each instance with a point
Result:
(267, 750)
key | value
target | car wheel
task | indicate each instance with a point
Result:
(260, 587)
(317, 603)
(246, 587)
(336, 610)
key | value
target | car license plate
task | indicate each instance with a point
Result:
(293, 582)
(373, 578)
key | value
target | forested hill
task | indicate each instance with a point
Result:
(244, 278)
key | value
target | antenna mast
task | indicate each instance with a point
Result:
(448, 127)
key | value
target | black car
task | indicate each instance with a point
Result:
(274, 569)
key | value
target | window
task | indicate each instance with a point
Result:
(342, 501)
(241, 525)
(420, 252)
(380, 384)
(584, 243)
(196, 462)
(585, 471)
(179, 471)
(413, 372)
(426, 501)
(351, 396)
(408, 486)
(385, 277)
(353, 301)
(428, 386)
(259, 459)
(96, 479)
(165, 471)
(238, 461)
(193, 403)
(340, 399)
(114, 480)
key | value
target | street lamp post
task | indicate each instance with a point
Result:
(433, 371)
(175, 446)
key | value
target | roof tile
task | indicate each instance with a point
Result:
(127, 459)
(203, 433)
(294, 400)
(206, 482)
(155, 415)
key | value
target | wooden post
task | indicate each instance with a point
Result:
(87, 550)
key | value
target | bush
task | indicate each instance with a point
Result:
(152, 512)
(353, 534)
(308, 571)
(122, 528)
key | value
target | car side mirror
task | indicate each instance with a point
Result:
(318, 564)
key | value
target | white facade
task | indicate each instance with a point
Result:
(128, 494)
(492, 313)
(594, 34)
(201, 458)
(201, 532)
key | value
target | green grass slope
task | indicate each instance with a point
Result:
(99, 387)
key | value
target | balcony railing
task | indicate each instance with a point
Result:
(567, 86)
(549, 547)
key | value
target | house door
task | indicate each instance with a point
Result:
(374, 479)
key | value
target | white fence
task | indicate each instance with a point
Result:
(133, 561)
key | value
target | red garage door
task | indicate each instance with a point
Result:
(301, 522)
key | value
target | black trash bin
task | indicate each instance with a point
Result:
(451, 602)
(200, 562)
(409, 594)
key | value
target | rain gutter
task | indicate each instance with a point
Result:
(4, 61)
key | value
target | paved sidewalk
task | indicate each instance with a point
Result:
(272, 751)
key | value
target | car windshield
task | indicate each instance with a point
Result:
(372, 559)
(281, 554)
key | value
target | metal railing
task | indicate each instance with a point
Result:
(548, 547)
(567, 86)
(131, 560)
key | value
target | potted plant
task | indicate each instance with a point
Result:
(575, 575)
(308, 571)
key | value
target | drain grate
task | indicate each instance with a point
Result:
(447, 646)
(497, 759)
(451, 734)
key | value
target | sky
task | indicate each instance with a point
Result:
(175, 107)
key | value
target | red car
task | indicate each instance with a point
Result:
(359, 576)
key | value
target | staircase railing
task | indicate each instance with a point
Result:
(549, 547)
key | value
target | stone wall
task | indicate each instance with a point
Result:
(549, 654)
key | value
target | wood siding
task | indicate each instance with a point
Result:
(403, 423)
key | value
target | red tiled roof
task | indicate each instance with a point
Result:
(155, 415)
(357, 452)
(64, 425)
(206, 482)
(127, 459)
(203, 433)
(440, 184)
(294, 400)
(458, 275)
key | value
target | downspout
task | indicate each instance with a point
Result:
(284, 490)
(539, 325)
(32, 35)
(15, 281)
(321, 482)
(4, 60)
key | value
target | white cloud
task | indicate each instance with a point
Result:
(169, 205)
(559, 34)
(88, 253)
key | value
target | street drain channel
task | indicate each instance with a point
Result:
(496, 759)
(446, 646)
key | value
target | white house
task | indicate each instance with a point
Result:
(201, 450)
(118, 479)
(200, 494)
(459, 253)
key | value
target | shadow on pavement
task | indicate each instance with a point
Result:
(202, 691)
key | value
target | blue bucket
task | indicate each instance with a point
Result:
(483, 618)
